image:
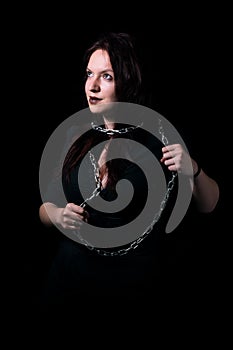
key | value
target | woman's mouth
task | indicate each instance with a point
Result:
(94, 100)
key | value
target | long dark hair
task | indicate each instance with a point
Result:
(128, 83)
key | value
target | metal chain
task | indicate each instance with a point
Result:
(114, 131)
(97, 191)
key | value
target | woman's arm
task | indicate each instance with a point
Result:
(48, 213)
(205, 190)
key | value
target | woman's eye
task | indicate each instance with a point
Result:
(107, 76)
(89, 73)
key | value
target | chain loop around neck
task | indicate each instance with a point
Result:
(112, 132)
(96, 192)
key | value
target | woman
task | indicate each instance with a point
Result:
(126, 267)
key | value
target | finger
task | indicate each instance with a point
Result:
(75, 223)
(167, 155)
(172, 167)
(170, 161)
(167, 149)
(78, 210)
(77, 217)
(75, 208)
(81, 217)
(162, 159)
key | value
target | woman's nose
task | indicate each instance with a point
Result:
(94, 85)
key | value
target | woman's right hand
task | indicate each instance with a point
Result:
(71, 217)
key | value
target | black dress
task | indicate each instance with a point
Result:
(79, 272)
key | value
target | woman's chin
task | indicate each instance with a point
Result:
(100, 108)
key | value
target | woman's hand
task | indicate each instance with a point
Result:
(71, 217)
(177, 159)
(205, 189)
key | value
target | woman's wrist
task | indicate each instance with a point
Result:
(195, 175)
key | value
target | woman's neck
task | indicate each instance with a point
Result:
(109, 124)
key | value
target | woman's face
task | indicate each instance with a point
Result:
(100, 83)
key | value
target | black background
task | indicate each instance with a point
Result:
(184, 64)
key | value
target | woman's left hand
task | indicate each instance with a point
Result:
(177, 159)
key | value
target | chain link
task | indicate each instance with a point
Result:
(96, 192)
(114, 131)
